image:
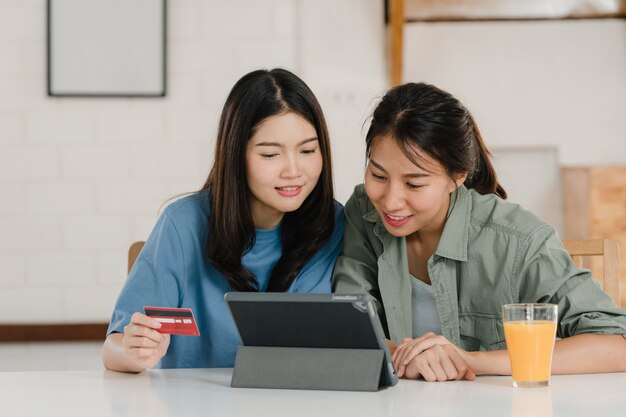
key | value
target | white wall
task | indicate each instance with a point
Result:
(560, 83)
(82, 178)
(342, 57)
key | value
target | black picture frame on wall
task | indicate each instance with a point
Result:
(106, 48)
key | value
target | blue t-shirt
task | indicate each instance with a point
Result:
(172, 271)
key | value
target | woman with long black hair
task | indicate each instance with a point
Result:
(265, 220)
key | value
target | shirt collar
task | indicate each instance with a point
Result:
(455, 235)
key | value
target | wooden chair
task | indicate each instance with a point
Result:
(133, 253)
(578, 249)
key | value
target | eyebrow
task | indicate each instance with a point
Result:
(282, 145)
(410, 175)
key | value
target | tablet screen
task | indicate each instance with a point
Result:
(309, 320)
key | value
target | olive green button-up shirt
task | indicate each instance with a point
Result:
(491, 252)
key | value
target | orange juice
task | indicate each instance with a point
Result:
(530, 345)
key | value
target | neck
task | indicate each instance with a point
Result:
(265, 218)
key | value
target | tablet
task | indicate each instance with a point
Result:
(345, 321)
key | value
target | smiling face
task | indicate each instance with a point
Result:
(283, 165)
(409, 199)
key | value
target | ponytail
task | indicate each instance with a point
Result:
(484, 178)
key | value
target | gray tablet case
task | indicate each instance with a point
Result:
(309, 341)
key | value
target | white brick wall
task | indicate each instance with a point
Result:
(34, 304)
(126, 127)
(132, 196)
(28, 163)
(11, 127)
(111, 272)
(60, 198)
(89, 304)
(52, 128)
(95, 232)
(61, 269)
(80, 179)
(11, 58)
(23, 233)
(13, 199)
(96, 162)
(13, 270)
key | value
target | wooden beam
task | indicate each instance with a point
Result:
(396, 40)
(460, 10)
(52, 332)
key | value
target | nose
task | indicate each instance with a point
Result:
(394, 198)
(291, 169)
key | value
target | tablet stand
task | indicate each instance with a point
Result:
(308, 368)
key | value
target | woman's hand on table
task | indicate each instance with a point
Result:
(433, 358)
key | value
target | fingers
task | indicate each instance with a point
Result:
(142, 319)
(408, 340)
(449, 368)
(462, 367)
(141, 342)
(421, 345)
(142, 326)
(438, 363)
(406, 352)
(143, 353)
(430, 366)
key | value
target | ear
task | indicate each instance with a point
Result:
(457, 180)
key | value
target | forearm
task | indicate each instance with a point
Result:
(493, 362)
(589, 353)
(114, 355)
(580, 354)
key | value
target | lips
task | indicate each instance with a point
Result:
(396, 221)
(289, 190)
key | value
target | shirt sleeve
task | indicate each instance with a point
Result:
(548, 275)
(155, 278)
(315, 276)
(356, 270)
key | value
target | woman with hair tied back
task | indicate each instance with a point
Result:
(431, 238)
(265, 220)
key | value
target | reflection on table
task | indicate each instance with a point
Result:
(206, 392)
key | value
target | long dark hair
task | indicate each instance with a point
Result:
(422, 115)
(255, 97)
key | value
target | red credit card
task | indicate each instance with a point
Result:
(174, 320)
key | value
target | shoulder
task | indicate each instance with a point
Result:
(490, 211)
(193, 209)
(339, 213)
(339, 223)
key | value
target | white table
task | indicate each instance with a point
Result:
(206, 392)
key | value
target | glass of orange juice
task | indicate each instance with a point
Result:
(530, 331)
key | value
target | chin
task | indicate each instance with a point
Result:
(396, 232)
(288, 208)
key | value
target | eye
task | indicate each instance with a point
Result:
(269, 155)
(309, 151)
(379, 177)
(413, 186)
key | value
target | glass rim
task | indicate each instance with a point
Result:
(527, 305)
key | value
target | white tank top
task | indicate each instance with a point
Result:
(425, 315)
